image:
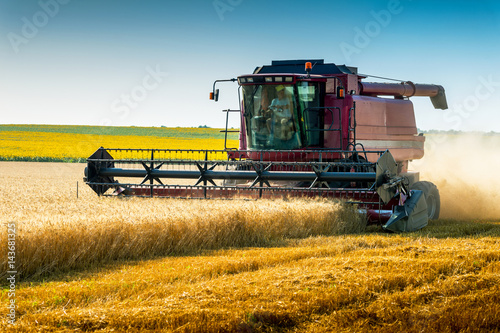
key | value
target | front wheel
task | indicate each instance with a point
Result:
(431, 194)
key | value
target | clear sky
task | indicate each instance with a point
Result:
(153, 63)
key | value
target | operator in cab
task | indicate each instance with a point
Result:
(281, 107)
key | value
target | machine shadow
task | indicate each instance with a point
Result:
(439, 229)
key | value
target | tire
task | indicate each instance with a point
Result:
(432, 198)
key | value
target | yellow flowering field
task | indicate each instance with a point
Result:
(76, 143)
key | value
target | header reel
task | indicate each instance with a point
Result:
(200, 174)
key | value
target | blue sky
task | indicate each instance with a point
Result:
(153, 63)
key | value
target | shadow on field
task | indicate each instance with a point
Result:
(125, 264)
(442, 228)
(449, 228)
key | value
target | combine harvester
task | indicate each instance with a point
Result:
(308, 129)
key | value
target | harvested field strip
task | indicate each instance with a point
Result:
(344, 283)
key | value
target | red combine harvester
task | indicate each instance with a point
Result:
(308, 129)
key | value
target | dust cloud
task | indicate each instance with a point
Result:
(465, 169)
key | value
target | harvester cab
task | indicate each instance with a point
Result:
(307, 128)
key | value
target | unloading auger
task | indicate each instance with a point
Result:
(307, 129)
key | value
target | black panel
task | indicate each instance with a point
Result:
(296, 62)
(298, 67)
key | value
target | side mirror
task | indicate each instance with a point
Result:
(214, 96)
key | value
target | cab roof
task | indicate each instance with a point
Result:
(298, 67)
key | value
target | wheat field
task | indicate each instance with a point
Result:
(90, 230)
(108, 264)
(161, 265)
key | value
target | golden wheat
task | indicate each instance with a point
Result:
(58, 232)
(389, 283)
(443, 278)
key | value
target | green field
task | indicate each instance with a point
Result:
(163, 132)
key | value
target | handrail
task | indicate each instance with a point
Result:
(329, 129)
(227, 111)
